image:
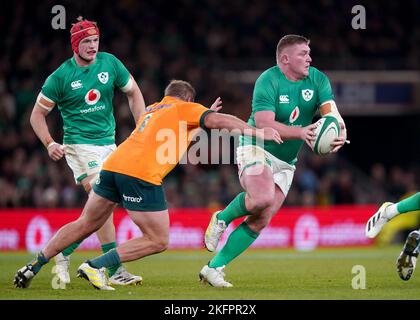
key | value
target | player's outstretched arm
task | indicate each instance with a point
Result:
(39, 125)
(216, 120)
(135, 100)
(267, 119)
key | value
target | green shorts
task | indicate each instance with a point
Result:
(133, 193)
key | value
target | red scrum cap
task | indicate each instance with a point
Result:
(81, 30)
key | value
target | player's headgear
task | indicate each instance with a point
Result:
(81, 30)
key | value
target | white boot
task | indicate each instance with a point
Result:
(214, 276)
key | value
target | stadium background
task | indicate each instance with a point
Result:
(221, 49)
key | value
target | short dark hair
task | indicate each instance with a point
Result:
(180, 89)
(289, 40)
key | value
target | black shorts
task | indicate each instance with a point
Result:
(133, 193)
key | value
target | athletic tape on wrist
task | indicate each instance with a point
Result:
(51, 144)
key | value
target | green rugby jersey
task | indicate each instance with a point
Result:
(84, 97)
(294, 103)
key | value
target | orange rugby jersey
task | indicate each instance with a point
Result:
(160, 139)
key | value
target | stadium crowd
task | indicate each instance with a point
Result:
(157, 46)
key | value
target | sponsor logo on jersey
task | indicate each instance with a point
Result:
(92, 97)
(284, 98)
(93, 164)
(145, 121)
(132, 199)
(103, 77)
(76, 84)
(294, 115)
(93, 109)
(307, 94)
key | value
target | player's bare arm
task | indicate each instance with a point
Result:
(135, 99)
(226, 121)
(267, 119)
(330, 108)
(38, 122)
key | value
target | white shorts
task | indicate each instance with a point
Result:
(86, 159)
(250, 155)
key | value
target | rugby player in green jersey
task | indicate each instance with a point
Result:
(83, 88)
(286, 97)
(406, 262)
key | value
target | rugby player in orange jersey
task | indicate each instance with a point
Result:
(132, 175)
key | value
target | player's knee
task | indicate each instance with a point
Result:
(161, 246)
(258, 223)
(261, 202)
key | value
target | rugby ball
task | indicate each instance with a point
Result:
(326, 131)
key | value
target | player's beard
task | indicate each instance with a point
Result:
(305, 71)
(302, 73)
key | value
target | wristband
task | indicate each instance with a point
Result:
(51, 144)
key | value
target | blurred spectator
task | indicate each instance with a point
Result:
(396, 183)
(343, 188)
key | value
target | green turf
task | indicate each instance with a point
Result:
(257, 274)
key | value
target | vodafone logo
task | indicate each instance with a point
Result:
(294, 115)
(92, 96)
(37, 234)
(307, 233)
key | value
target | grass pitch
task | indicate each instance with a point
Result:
(257, 274)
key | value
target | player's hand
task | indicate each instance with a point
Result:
(217, 104)
(341, 140)
(56, 151)
(269, 134)
(308, 135)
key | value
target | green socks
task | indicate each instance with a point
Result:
(239, 240)
(106, 248)
(107, 260)
(69, 250)
(38, 262)
(235, 209)
(410, 204)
